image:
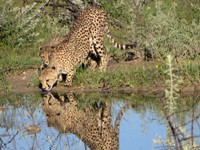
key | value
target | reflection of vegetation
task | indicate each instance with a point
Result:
(20, 111)
(181, 131)
(14, 102)
(182, 126)
(23, 110)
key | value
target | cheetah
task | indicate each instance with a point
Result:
(85, 38)
(92, 125)
(47, 49)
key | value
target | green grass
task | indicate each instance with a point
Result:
(134, 77)
(4, 83)
(11, 60)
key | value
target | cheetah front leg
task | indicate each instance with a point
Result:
(104, 62)
(68, 81)
(99, 49)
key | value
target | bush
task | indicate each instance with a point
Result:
(165, 32)
(18, 24)
(27, 26)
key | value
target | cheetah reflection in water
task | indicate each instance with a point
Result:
(92, 125)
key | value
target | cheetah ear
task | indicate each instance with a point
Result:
(43, 67)
(52, 47)
(41, 48)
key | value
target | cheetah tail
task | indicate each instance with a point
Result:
(120, 115)
(117, 45)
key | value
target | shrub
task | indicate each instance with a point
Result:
(18, 24)
(165, 32)
(27, 26)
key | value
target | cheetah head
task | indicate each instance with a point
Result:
(60, 110)
(48, 77)
(52, 104)
(44, 54)
(53, 109)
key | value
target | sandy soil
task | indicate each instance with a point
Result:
(21, 81)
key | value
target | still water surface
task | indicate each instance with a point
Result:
(90, 121)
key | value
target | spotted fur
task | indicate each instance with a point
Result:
(47, 49)
(91, 125)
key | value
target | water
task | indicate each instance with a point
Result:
(89, 120)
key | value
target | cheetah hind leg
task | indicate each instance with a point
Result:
(93, 65)
(104, 62)
(93, 61)
(99, 61)
(101, 56)
(89, 62)
(97, 58)
(96, 43)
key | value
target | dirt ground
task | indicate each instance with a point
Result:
(21, 82)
